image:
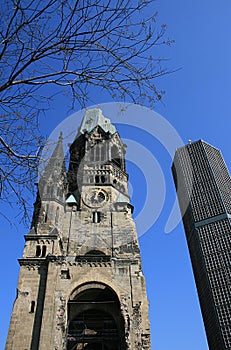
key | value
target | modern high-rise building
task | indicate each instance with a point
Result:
(81, 284)
(203, 187)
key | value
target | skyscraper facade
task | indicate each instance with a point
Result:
(81, 284)
(203, 187)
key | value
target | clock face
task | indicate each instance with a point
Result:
(95, 197)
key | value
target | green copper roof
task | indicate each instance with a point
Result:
(122, 198)
(94, 117)
(71, 199)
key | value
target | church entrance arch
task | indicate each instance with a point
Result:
(95, 321)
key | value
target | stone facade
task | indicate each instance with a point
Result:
(81, 284)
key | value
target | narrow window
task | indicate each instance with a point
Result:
(97, 179)
(46, 213)
(103, 179)
(97, 153)
(103, 153)
(92, 154)
(115, 156)
(38, 251)
(96, 217)
(44, 250)
(57, 216)
(32, 307)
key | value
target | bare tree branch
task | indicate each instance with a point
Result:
(78, 45)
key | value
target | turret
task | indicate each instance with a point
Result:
(52, 190)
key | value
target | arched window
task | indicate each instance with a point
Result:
(115, 156)
(96, 218)
(97, 179)
(92, 154)
(38, 251)
(32, 306)
(103, 156)
(94, 319)
(44, 250)
(97, 153)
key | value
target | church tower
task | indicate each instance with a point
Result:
(81, 284)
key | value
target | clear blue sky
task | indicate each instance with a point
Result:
(198, 105)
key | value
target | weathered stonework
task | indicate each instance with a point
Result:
(81, 284)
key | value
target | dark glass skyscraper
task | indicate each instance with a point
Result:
(203, 187)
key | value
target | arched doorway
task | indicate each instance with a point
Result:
(94, 319)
